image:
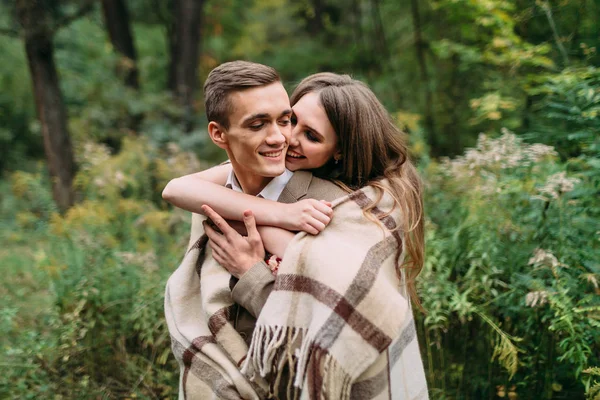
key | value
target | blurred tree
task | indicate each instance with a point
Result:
(116, 18)
(314, 16)
(39, 21)
(420, 47)
(184, 34)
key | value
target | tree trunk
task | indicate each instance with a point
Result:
(380, 39)
(116, 18)
(49, 103)
(184, 48)
(420, 53)
(315, 21)
(357, 21)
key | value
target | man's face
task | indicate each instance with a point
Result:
(259, 131)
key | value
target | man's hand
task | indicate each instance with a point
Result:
(309, 215)
(236, 253)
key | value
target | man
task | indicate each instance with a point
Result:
(249, 117)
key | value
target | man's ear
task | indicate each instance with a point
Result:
(218, 135)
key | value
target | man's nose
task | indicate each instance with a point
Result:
(278, 135)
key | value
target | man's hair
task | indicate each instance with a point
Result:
(232, 77)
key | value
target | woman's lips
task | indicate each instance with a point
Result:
(293, 155)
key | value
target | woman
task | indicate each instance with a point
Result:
(343, 133)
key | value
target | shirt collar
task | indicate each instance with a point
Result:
(273, 189)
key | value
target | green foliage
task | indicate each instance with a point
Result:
(593, 387)
(512, 240)
(100, 269)
(20, 139)
(568, 116)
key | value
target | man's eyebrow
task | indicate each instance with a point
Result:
(255, 116)
(264, 116)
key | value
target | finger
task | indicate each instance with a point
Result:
(324, 207)
(310, 229)
(216, 254)
(320, 217)
(250, 223)
(318, 226)
(214, 236)
(213, 247)
(327, 203)
(218, 220)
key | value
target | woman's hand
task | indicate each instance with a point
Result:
(309, 215)
(236, 253)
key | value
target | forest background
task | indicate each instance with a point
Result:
(100, 106)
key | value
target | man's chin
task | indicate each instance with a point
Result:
(270, 171)
(273, 172)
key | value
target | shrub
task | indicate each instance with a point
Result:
(104, 264)
(512, 272)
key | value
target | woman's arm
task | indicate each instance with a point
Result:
(275, 239)
(191, 192)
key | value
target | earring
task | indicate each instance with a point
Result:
(336, 161)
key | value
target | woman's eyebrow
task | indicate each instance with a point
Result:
(308, 127)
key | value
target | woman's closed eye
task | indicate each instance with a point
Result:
(312, 137)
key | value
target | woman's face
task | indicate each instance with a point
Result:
(313, 140)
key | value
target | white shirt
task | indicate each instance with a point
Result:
(270, 192)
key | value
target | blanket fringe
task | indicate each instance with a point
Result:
(310, 367)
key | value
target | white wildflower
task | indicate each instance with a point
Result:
(92, 154)
(173, 148)
(148, 260)
(120, 179)
(538, 151)
(507, 151)
(99, 182)
(543, 257)
(556, 185)
(536, 298)
(591, 278)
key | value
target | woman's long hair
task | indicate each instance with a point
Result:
(373, 150)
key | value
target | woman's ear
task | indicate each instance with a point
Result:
(218, 135)
(337, 156)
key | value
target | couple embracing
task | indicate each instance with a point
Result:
(299, 274)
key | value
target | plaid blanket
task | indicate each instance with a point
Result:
(198, 309)
(338, 324)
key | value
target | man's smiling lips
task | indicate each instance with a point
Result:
(271, 154)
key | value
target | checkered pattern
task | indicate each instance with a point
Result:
(338, 324)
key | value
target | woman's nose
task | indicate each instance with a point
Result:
(294, 139)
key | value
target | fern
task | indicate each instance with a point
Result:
(592, 387)
(505, 348)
